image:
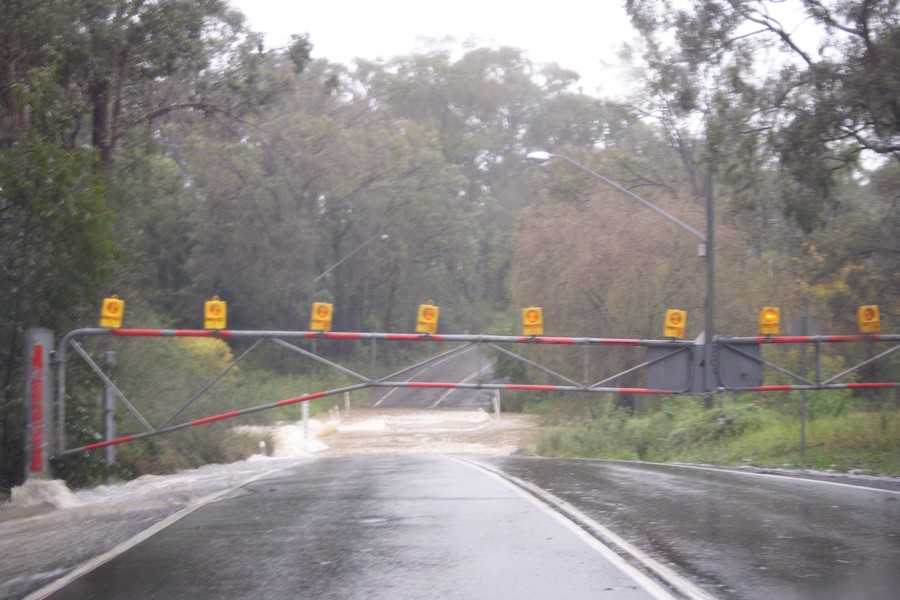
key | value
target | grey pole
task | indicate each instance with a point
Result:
(803, 369)
(109, 412)
(349, 254)
(709, 379)
(711, 383)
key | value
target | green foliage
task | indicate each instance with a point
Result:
(159, 377)
(55, 241)
(159, 152)
(742, 433)
(184, 450)
(55, 248)
(763, 91)
(116, 67)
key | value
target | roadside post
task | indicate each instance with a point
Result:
(38, 399)
(109, 413)
(304, 414)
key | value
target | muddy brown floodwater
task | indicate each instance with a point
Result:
(397, 431)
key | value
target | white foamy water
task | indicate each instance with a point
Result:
(47, 530)
(39, 493)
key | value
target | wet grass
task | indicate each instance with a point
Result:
(850, 438)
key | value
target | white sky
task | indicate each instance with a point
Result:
(577, 35)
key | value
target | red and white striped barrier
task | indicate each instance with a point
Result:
(420, 337)
(393, 337)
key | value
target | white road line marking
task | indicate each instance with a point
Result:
(98, 561)
(784, 477)
(603, 539)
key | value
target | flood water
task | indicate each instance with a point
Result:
(737, 535)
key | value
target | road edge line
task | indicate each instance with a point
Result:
(136, 539)
(648, 567)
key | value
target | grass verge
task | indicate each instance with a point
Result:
(851, 439)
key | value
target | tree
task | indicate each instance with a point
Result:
(79, 82)
(55, 248)
(763, 94)
(122, 65)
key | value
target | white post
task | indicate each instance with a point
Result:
(496, 401)
(38, 403)
(304, 412)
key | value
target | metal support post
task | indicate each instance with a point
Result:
(710, 379)
(109, 412)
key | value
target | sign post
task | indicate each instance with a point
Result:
(38, 403)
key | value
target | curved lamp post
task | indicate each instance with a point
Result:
(383, 236)
(349, 254)
(705, 249)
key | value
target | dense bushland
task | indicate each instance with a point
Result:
(168, 164)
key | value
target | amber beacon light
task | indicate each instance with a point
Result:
(675, 322)
(868, 319)
(533, 321)
(770, 320)
(322, 314)
(111, 312)
(214, 313)
(427, 319)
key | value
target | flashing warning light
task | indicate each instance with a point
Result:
(111, 312)
(214, 313)
(770, 320)
(427, 320)
(533, 320)
(868, 319)
(322, 313)
(676, 320)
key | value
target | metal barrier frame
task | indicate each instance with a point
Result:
(819, 383)
(493, 341)
(281, 337)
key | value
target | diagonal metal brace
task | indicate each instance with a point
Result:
(96, 369)
(537, 366)
(324, 361)
(644, 364)
(860, 365)
(211, 383)
(737, 350)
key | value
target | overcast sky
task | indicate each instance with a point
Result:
(577, 35)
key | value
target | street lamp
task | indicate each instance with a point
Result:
(705, 248)
(351, 253)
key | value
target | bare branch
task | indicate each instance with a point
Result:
(820, 11)
(206, 107)
(772, 25)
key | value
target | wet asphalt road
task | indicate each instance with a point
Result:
(468, 364)
(738, 535)
(431, 526)
(398, 527)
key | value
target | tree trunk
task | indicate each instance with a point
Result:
(99, 91)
